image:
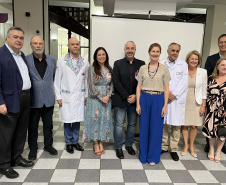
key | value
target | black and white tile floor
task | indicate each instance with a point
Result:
(86, 168)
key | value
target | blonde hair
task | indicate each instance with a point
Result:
(194, 52)
(215, 73)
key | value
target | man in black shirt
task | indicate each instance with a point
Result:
(124, 99)
(42, 71)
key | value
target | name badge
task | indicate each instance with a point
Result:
(179, 73)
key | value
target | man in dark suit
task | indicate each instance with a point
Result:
(124, 99)
(14, 103)
(42, 69)
(210, 65)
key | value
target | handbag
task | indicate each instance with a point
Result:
(221, 129)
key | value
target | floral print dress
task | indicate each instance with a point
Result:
(98, 116)
(216, 107)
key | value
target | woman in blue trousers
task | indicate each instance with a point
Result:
(152, 98)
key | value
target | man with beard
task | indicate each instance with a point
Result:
(42, 69)
(71, 92)
(124, 100)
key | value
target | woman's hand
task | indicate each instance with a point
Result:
(138, 109)
(163, 111)
(105, 100)
(202, 110)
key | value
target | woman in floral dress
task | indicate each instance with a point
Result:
(216, 108)
(98, 116)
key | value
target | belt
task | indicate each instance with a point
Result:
(26, 91)
(152, 92)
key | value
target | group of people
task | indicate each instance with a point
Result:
(171, 93)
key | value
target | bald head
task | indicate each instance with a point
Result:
(74, 46)
(37, 45)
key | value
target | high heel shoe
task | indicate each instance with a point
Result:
(101, 146)
(217, 157)
(96, 152)
(193, 154)
(183, 153)
(210, 155)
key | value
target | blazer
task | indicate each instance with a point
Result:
(201, 85)
(211, 62)
(11, 81)
(121, 81)
(42, 92)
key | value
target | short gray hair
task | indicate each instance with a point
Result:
(13, 28)
(173, 43)
(36, 36)
(130, 41)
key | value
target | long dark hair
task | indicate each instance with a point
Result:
(96, 65)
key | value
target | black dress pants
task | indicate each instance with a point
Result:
(46, 113)
(13, 132)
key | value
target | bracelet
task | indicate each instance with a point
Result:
(203, 105)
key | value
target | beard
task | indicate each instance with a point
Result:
(38, 51)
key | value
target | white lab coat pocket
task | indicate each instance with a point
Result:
(65, 94)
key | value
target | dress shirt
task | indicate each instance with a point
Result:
(131, 73)
(40, 65)
(22, 68)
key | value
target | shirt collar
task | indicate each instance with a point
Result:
(11, 51)
(170, 62)
(43, 56)
(220, 55)
(134, 60)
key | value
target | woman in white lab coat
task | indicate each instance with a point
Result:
(195, 101)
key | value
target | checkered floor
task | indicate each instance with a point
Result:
(86, 168)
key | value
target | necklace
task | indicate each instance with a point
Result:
(152, 74)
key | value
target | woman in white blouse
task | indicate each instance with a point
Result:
(195, 101)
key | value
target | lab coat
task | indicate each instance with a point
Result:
(178, 85)
(72, 89)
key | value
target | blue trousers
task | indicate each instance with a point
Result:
(151, 127)
(71, 132)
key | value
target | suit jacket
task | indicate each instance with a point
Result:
(11, 81)
(200, 85)
(121, 81)
(42, 92)
(211, 62)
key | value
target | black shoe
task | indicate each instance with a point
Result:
(32, 155)
(69, 149)
(78, 147)
(51, 150)
(164, 151)
(130, 150)
(206, 148)
(23, 162)
(174, 156)
(224, 149)
(9, 173)
(119, 153)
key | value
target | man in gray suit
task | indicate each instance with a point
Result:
(42, 69)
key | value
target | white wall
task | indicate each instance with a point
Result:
(32, 23)
(113, 33)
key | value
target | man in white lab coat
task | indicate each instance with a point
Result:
(71, 92)
(177, 99)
